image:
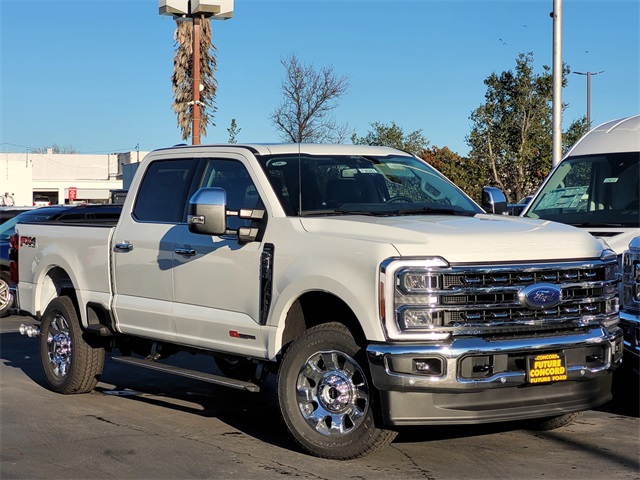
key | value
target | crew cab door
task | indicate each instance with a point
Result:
(216, 278)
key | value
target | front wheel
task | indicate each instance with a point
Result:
(552, 423)
(70, 364)
(325, 398)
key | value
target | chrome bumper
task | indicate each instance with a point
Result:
(474, 364)
(631, 326)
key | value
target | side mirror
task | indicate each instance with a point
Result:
(208, 212)
(494, 201)
(208, 215)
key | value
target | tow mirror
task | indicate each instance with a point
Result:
(494, 201)
(208, 215)
(208, 211)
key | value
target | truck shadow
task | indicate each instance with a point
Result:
(252, 414)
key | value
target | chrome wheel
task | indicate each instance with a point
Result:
(59, 346)
(325, 395)
(332, 393)
(6, 299)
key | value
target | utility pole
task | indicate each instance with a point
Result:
(588, 74)
(195, 127)
(197, 11)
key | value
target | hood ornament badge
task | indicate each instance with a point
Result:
(540, 296)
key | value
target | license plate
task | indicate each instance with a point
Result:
(546, 368)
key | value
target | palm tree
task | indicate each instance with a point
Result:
(182, 78)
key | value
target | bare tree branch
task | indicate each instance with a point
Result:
(310, 97)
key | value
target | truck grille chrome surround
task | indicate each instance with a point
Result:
(428, 299)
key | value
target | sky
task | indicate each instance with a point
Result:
(95, 75)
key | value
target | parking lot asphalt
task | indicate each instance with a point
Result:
(140, 424)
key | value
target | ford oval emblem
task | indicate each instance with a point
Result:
(540, 295)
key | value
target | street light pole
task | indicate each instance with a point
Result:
(556, 153)
(588, 74)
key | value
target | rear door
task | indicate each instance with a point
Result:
(143, 250)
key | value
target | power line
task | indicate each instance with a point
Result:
(39, 149)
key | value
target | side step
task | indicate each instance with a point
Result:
(184, 372)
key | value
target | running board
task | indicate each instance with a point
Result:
(184, 372)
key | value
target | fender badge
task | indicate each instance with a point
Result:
(540, 295)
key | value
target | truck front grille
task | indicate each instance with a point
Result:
(481, 299)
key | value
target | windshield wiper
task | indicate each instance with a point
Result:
(602, 225)
(433, 211)
(313, 213)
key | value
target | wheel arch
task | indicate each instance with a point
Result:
(54, 282)
(315, 308)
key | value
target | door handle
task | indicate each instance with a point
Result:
(185, 251)
(123, 247)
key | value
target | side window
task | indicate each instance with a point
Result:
(234, 178)
(163, 191)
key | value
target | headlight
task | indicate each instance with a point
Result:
(412, 281)
(418, 318)
(408, 295)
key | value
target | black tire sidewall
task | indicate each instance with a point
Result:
(86, 362)
(328, 337)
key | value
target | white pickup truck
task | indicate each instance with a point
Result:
(377, 291)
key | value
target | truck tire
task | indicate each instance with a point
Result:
(325, 398)
(6, 300)
(70, 364)
(552, 423)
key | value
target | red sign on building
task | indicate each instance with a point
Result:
(73, 193)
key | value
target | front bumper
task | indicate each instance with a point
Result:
(476, 380)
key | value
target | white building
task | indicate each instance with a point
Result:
(63, 177)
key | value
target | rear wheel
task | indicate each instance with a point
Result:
(6, 300)
(324, 395)
(70, 364)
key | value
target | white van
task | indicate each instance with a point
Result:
(595, 186)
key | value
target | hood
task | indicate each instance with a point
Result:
(483, 238)
(617, 238)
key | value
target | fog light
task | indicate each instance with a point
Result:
(429, 366)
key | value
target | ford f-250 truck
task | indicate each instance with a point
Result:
(377, 291)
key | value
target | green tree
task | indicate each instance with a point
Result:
(460, 170)
(233, 131)
(573, 133)
(310, 98)
(391, 135)
(512, 131)
(182, 78)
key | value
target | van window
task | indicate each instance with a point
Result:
(595, 190)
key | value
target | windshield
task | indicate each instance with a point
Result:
(353, 184)
(594, 190)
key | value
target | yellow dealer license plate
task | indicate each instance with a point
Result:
(546, 368)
